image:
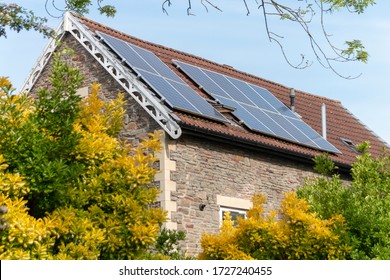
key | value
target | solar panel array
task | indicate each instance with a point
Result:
(256, 107)
(169, 86)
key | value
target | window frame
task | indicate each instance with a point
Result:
(223, 209)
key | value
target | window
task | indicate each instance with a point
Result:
(236, 206)
(234, 213)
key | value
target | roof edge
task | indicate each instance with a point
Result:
(43, 59)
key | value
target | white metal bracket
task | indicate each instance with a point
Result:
(152, 105)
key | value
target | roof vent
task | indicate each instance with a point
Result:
(350, 145)
(228, 66)
(292, 99)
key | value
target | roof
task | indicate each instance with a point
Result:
(341, 124)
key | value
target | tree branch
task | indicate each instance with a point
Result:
(166, 2)
(301, 12)
(212, 5)
(55, 7)
(304, 18)
(247, 9)
(189, 9)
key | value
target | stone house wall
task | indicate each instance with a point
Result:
(222, 175)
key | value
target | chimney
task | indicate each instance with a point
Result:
(323, 113)
(292, 99)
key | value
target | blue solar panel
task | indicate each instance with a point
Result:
(160, 67)
(199, 103)
(169, 86)
(314, 136)
(160, 84)
(250, 93)
(325, 145)
(276, 103)
(298, 135)
(274, 126)
(246, 117)
(202, 79)
(256, 107)
(128, 54)
(228, 87)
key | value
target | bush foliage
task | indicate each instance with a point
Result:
(324, 219)
(291, 233)
(364, 204)
(69, 189)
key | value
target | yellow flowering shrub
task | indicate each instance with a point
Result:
(223, 246)
(11, 185)
(21, 235)
(293, 232)
(69, 188)
(95, 143)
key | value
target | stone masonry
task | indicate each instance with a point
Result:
(209, 172)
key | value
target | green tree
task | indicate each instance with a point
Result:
(364, 204)
(39, 145)
(69, 189)
(167, 244)
(294, 232)
(17, 18)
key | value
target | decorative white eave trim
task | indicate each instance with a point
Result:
(151, 104)
(43, 59)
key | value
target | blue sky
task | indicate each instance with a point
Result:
(238, 40)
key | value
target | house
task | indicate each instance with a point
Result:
(227, 134)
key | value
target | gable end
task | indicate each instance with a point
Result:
(128, 81)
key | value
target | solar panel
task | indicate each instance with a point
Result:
(245, 116)
(274, 102)
(169, 86)
(256, 107)
(252, 94)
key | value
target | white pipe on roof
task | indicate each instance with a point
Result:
(323, 113)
